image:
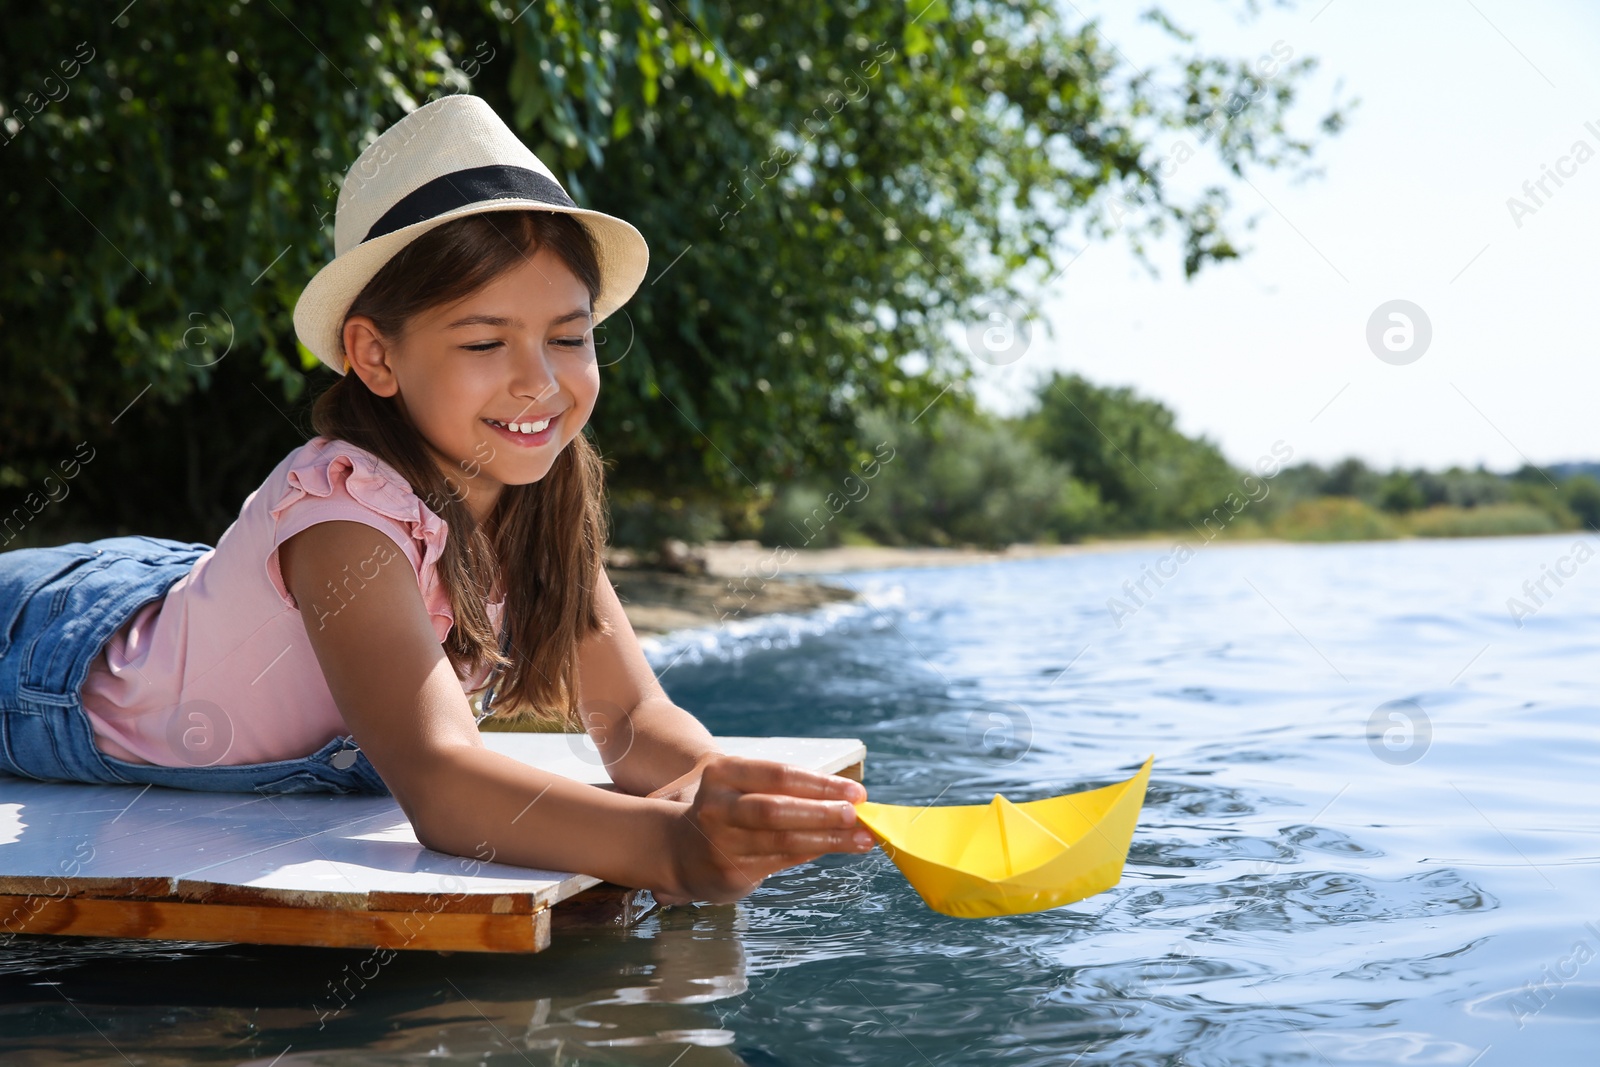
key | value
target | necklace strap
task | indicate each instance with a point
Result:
(491, 690)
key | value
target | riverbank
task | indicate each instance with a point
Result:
(719, 581)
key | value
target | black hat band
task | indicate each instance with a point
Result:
(460, 188)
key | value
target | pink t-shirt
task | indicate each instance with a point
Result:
(221, 670)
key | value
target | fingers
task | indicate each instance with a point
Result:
(799, 846)
(767, 807)
(793, 846)
(770, 776)
(768, 811)
(751, 818)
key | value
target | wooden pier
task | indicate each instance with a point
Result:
(306, 869)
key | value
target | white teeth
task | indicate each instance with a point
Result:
(522, 427)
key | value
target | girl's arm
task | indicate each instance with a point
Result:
(648, 743)
(404, 704)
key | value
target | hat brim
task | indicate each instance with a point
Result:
(319, 314)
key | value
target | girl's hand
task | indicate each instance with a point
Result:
(751, 817)
(684, 787)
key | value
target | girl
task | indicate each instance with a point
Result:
(440, 537)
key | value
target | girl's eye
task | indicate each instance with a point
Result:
(568, 342)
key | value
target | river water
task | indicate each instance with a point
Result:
(1370, 836)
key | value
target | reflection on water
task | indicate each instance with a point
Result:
(1370, 836)
(596, 997)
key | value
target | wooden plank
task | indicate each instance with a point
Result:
(214, 862)
(274, 925)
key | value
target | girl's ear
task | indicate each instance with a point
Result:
(369, 355)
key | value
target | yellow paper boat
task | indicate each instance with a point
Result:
(1000, 858)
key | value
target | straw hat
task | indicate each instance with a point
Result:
(449, 158)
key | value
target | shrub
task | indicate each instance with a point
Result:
(1582, 495)
(1486, 521)
(954, 478)
(1334, 518)
(800, 518)
(643, 520)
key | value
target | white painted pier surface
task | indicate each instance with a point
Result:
(312, 869)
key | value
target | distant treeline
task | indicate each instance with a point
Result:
(1091, 461)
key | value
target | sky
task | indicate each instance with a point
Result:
(1461, 102)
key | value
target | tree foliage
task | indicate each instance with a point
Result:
(1147, 473)
(826, 190)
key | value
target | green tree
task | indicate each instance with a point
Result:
(952, 477)
(1581, 494)
(1400, 493)
(1352, 478)
(887, 175)
(1127, 447)
(1466, 488)
(170, 178)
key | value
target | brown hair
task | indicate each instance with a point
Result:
(546, 537)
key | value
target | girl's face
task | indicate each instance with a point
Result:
(518, 351)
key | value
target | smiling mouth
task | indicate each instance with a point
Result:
(535, 433)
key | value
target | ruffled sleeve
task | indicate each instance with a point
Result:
(332, 479)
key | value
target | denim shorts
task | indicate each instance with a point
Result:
(58, 608)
